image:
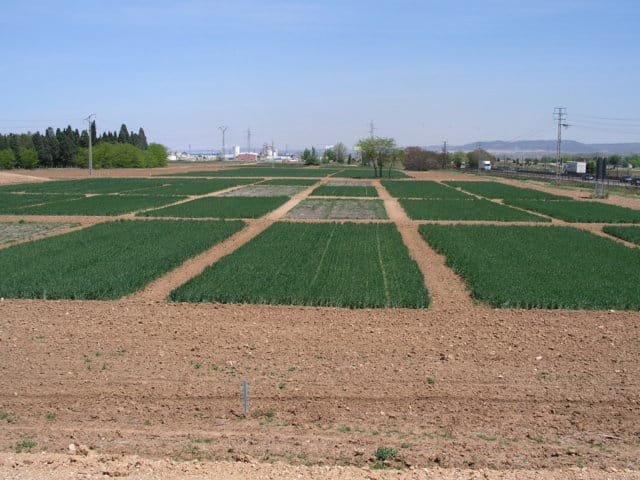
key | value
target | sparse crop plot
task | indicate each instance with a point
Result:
(220, 207)
(265, 191)
(422, 189)
(303, 182)
(316, 208)
(100, 205)
(630, 234)
(500, 190)
(580, 211)
(540, 267)
(193, 186)
(474, 209)
(105, 261)
(15, 231)
(15, 203)
(345, 191)
(329, 264)
(367, 172)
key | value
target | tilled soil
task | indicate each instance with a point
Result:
(150, 389)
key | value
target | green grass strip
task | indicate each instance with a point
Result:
(220, 207)
(630, 234)
(100, 205)
(329, 264)
(344, 191)
(422, 189)
(500, 190)
(540, 267)
(478, 209)
(105, 261)
(580, 211)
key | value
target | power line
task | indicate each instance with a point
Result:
(560, 114)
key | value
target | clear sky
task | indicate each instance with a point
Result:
(315, 72)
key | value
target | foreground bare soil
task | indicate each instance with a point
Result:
(148, 389)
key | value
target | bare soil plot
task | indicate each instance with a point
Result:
(265, 191)
(338, 209)
(15, 231)
(220, 207)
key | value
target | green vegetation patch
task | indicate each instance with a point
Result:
(506, 192)
(89, 185)
(478, 209)
(220, 207)
(11, 203)
(540, 267)
(328, 264)
(422, 189)
(194, 186)
(317, 208)
(105, 261)
(260, 172)
(580, 211)
(303, 182)
(100, 205)
(15, 231)
(367, 172)
(345, 191)
(630, 234)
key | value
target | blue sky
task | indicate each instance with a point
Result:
(302, 73)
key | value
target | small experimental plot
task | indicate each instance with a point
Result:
(335, 209)
(16, 231)
(422, 189)
(364, 172)
(14, 204)
(302, 182)
(350, 265)
(260, 172)
(576, 211)
(99, 205)
(630, 234)
(500, 190)
(86, 186)
(540, 267)
(220, 207)
(193, 186)
(345, 191)
(265, 191)
(470, 210)
(105, 261)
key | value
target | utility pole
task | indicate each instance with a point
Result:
(223, 129)
(248, 140)
(444, 154)
(88, 120)
(478, 147)
(560, 114)
(372, 129)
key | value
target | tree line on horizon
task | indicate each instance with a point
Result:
(69, 147)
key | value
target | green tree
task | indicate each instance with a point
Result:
(27, 158)
(310, 157)
(417, 158)
(141, 140)
(329, 156)
(341, 152)
(378, 152)
(123, 136)
(7, 159)
(155, 156)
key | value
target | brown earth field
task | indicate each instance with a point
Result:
(145, 388)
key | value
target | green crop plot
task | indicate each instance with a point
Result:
(220, 207)
(105, 261)
(500, 190)
(540, 267)
(11, 203)
(302, 182)
(345, 191)
(329, 264)
(260, 172)
(367, 172)
(89, 185)
(580, 211)
(422, 189)
(475, 209)
(99, 205)
(194, 186)
(630, 234)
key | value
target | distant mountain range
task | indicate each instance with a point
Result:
(544, 147)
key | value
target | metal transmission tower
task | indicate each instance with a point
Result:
(89, 121)
(223, 129)
(560, 114)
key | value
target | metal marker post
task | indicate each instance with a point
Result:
(245, 397)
